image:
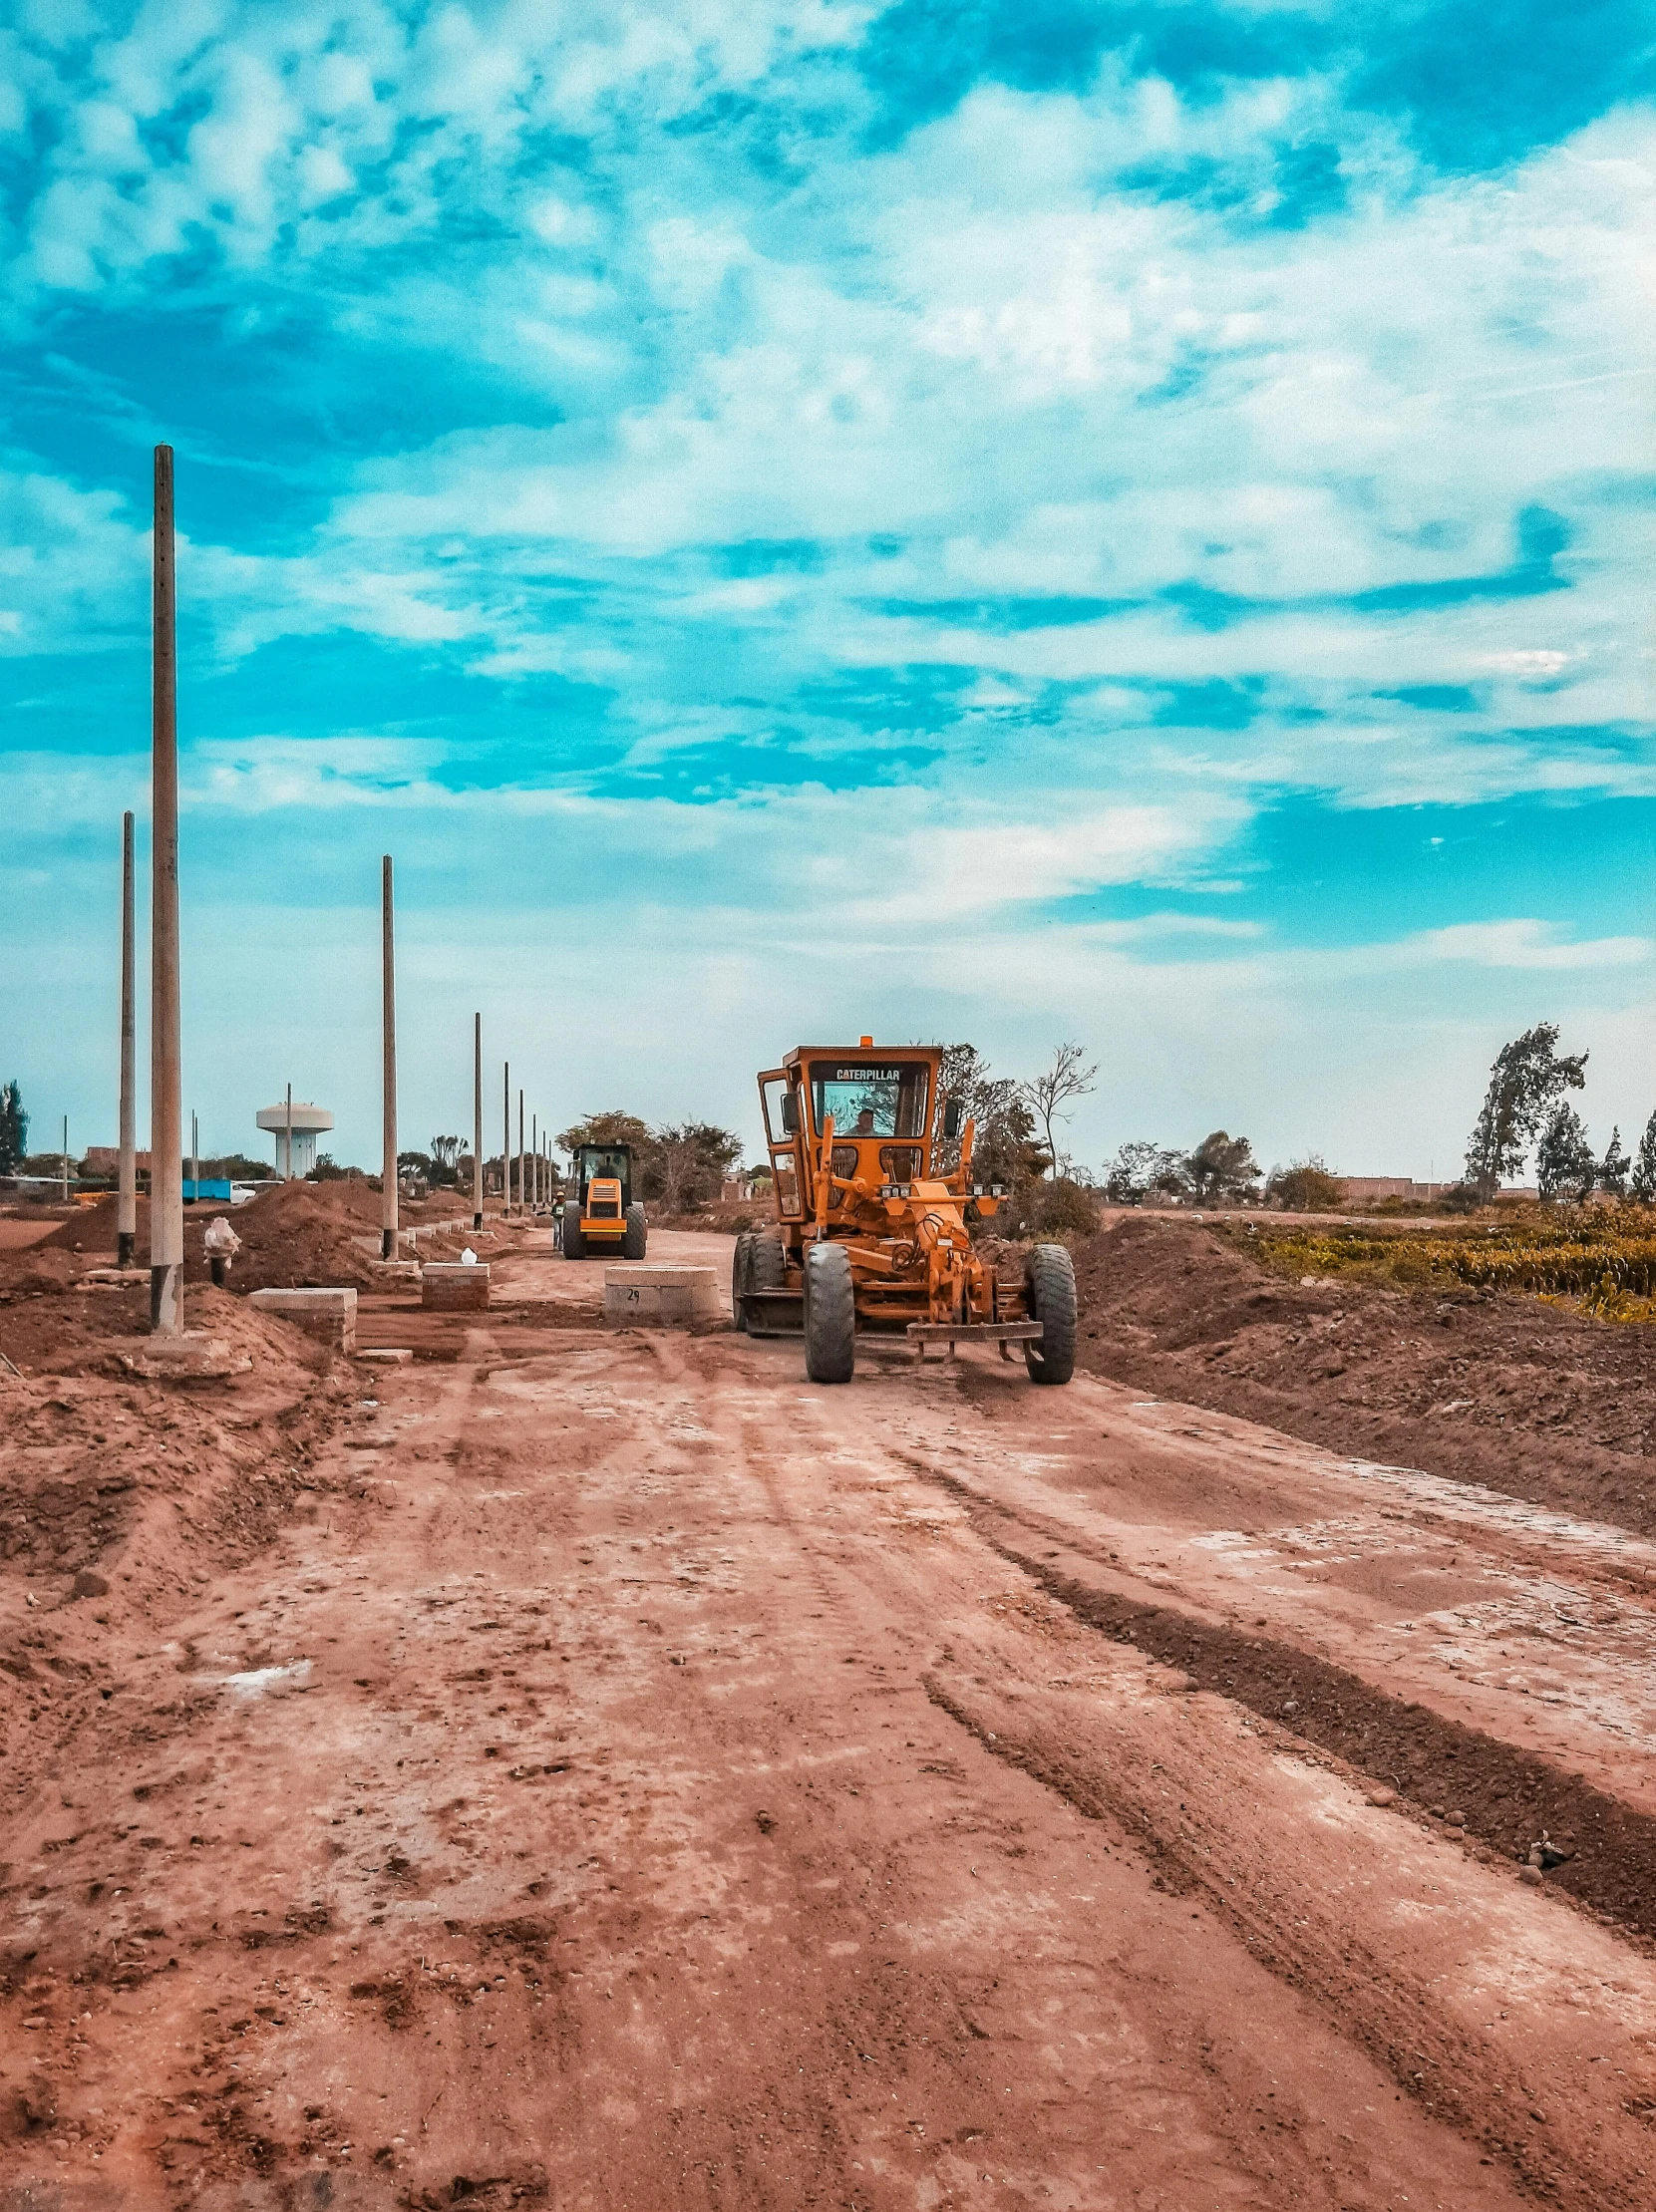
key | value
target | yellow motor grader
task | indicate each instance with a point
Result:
(868, 1238)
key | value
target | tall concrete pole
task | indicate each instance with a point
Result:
(195, 1157)
(534, 1163)
(287, 1140)
(388, 1178)
(520, 1162)
(476, 1120)
(166, 1164)
(65, 1159)
(505, 1141)
(126, 1204)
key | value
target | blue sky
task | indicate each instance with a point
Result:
(1129, 522)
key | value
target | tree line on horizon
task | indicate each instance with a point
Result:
(1019, 1126)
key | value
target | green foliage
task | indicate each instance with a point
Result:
(1614, 1168)
(606, 1128)
(1306, 1187)
(1528, 1078)
(687, 1161)
(1003, 1146)
(1644, 1167)
(678, 1166)
(1221, 1166)
(1063, 1207)
(1565, 1164)
(1138, 1168)
(1046, 1209)
(328, 1170)
(14, 1129)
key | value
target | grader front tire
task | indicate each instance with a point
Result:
(829, 1315)
(1050, 1299)
(740, 1269)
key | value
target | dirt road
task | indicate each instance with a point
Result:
(651, 1780)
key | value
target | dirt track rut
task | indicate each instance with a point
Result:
(650, 1782)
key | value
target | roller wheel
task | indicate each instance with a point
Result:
(574, 1244)
(1050, 1298)
(632, 1244)
(741, 1268)
(829, 1315)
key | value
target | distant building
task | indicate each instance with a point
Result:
(105, 1159)
(735, 1190)
(1365, 1190)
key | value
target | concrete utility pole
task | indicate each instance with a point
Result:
(476, 1120)
(505, 1141)
(195, 1159)
(65, 1159)
(167, 1172)
(287, 1140)
(126, 1204)
(520, 1159)
(387, 1179)
(534, 1164)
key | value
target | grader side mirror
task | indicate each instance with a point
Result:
(789, 1115)
(954, 1115)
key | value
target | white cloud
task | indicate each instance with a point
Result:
(1524, 944)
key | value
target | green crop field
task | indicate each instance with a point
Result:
(1601, 1258)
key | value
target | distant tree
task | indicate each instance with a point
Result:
(14, 1129)
(1644, 1167)
(1052, 1094)
(689, 1161)
(1565, 1165)
(607, 1128)
(1002, 1123)
(1614, 1168)
(414, 1164)
(1527, 1079)
(1221, 1166)
(328, 1170)
(1306, 1187)
(1138, 1168)
(445, 1152)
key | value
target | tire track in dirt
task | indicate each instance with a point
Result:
(1294, 1922)
(1604, 1852)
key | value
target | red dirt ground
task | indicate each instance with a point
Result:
(596, 1768)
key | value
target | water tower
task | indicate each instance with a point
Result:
(306, 1123)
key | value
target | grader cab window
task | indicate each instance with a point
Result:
(869, 1101)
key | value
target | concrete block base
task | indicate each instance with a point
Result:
(330, 1316)
(451, 1287)
(194, 1357)
(385, 1357)
(113, 1278)
(389, 1274)
(639, 1292)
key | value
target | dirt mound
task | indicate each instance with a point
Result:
(294, 1234)
(93, 1229)
(299, 1233)
(1528, 1397)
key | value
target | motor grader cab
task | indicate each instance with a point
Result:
(870, 1235)
(600, 1214)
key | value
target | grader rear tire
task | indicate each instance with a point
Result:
(574, 1244)
(741, 1268)
(766, 1270)
(829, 1315)
(633, 1243)
(1049, 1297)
